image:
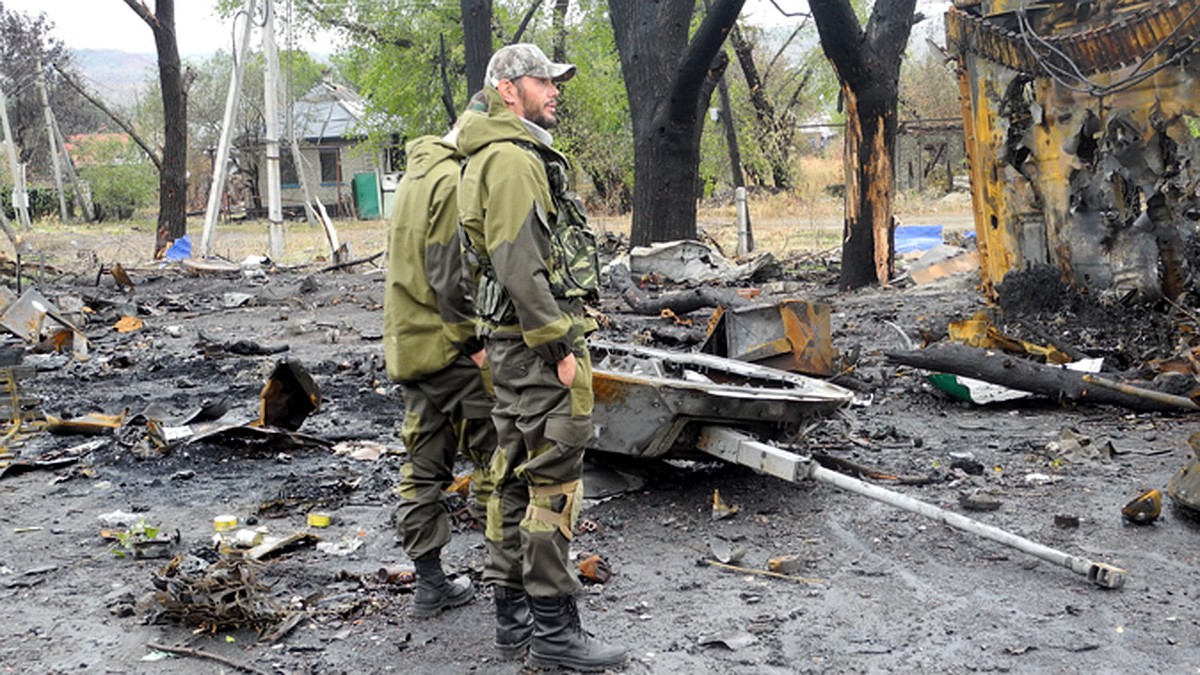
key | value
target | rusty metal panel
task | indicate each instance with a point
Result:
(792, 335)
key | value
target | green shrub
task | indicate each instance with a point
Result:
(119, 189)
(121, 177)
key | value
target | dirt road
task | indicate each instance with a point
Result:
(882, 590)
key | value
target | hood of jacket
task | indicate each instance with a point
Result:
(478, 129)
(426, 152)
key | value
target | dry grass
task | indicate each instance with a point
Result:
(79, 245)
(805, 220)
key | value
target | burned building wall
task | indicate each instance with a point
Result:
(1081, 122)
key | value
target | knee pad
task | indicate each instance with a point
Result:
(554, 507)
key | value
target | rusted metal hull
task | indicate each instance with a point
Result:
(652, 402)
(1081, 123)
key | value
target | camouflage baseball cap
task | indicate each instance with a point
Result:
(524, 59)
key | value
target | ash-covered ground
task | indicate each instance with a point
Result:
(874, 589)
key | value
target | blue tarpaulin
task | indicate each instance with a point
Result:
(181, 248)
(913, 238)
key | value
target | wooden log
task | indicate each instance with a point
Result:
(680, 302)
(1021, 374)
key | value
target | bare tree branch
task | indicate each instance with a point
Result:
(778, 54)
(789, 14)
(700, 58)
(125, 126)
(447, 96)
(143, 11)
(525, 21)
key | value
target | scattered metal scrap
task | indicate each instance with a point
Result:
(289, 396)
(36, 320)
(1184, 486)
(92, 424)
(22, 415)
(654, 403)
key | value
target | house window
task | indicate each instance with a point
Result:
(330, 171)
(287, 171)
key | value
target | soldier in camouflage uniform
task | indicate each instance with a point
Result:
(431, 347)
(536, 264)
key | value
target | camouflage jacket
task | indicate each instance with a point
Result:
(428, 319)
(535, 259)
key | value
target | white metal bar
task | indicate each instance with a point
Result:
(742, 449)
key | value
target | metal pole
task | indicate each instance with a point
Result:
(222, 160)
(58, 179)
(742, 449)
(20, 199)
(271, 112)
(745, 240)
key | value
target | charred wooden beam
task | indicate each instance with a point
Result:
(1017, 373)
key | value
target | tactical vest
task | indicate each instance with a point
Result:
(574, 270)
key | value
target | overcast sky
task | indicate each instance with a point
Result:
(110, 24)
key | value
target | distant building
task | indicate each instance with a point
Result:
(325, 122)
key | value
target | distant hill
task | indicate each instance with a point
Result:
(115, 75)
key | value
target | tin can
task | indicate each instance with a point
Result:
(318, 519)
(225, 523)
(247, 538)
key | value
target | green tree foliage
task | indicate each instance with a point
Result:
(210, 87)
(401, 56)
(398, 66)
(121, 177)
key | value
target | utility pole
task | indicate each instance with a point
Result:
(82, 196)
(271, 112)
(58, 180)
(20, 198)
(222, 160)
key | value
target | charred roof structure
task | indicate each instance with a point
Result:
(1081, 121)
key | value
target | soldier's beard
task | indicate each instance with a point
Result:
(531, 111)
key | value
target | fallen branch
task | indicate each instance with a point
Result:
(186, 651)
(680, 302)
(351, 263)
(763, 573)
(1021, 374)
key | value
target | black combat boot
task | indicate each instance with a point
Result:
(514, 623)
(435, 592)
(559, 639)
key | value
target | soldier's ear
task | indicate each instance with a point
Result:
(508, 91)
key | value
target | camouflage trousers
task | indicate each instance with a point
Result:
(541, 428)
(445, 414)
